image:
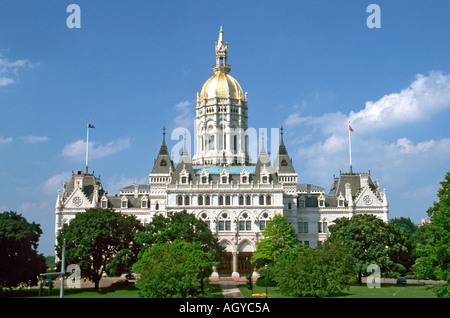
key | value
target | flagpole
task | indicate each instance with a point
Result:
(350, 147)
(87, 145)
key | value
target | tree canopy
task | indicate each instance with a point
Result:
(278, 235)
(100, 240)
(19, 259)
(180, 226)
(370, 240)
(318, 272)
(433, 247)
(173, 269)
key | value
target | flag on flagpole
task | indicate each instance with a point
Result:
(350, 127)
(90, 126)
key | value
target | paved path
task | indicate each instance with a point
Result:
(230, 290)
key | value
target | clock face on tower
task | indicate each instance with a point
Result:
(77, 201)
(367, 199)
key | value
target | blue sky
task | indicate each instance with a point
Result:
(136, 66)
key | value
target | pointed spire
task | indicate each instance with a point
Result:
(221, 55)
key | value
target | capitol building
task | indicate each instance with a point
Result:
(221, 184)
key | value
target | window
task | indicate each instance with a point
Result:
(248, 200)
(301, 203)
(207, 200)
(235, 143)
(204, 180)
(183, 180)
(228, 200)
(144, 204)
(289, 205)
(244, 179)
(264, 179)
(180, 200)
(322, 227)
(261, 200)
(341, 202)
(186, 200)
(157, 206)
(268, 200)
(321, 203)
(224, 225)
(200, 200)
(224, 180)
(262, 225)
(306, 243)
(241, 200)
(211, 142)
(104, 204)
(302, 227)
(220, 200)
(208, 224)
(124, 204)
(245, 225)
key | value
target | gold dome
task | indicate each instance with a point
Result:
(221, 85)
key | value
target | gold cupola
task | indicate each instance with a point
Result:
(221, 84)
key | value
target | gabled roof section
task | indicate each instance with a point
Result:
(183, 165)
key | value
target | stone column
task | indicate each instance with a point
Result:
(235, 273)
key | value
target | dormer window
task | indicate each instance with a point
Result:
(184, 175)
(224, 177)
(204, 180)
(264, 179)
(124, 203)
(321, 201)
(144, 202)
(244, 176)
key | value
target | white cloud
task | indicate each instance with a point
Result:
(9, 70)
(425, 97)
(52, 184)
(77, 149)
(185, 114)
(33, 139)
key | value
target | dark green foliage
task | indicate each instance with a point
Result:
(99, 240)
(306, 271)
(19, 259)
(433, 241)
(180, 226)
(176, 269)
(370, 240)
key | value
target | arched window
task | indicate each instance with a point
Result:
(157, 206)
(227, 200)
(207, 200)
(248, 200)
(261, 200)
(268, 200)
(241, 200)
(186, 200)
(220, 200)
(200, 200)
(180, 200)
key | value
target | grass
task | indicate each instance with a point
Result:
(355, 291)
(212, 291)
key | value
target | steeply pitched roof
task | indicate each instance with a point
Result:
(163, 163)
(283, 163)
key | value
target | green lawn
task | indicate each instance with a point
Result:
(355, 291)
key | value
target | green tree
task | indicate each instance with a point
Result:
(434, 249)
(409, 230)
(19, 259)
(99, 240)
(176, 269)
(278, 235)
(180, 226)
(321, 272)
(370, 240)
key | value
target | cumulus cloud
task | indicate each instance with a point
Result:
(426, 96)
(116, 183)
(52, 184)
(185, 114)
(77, 150)
(9, 70)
